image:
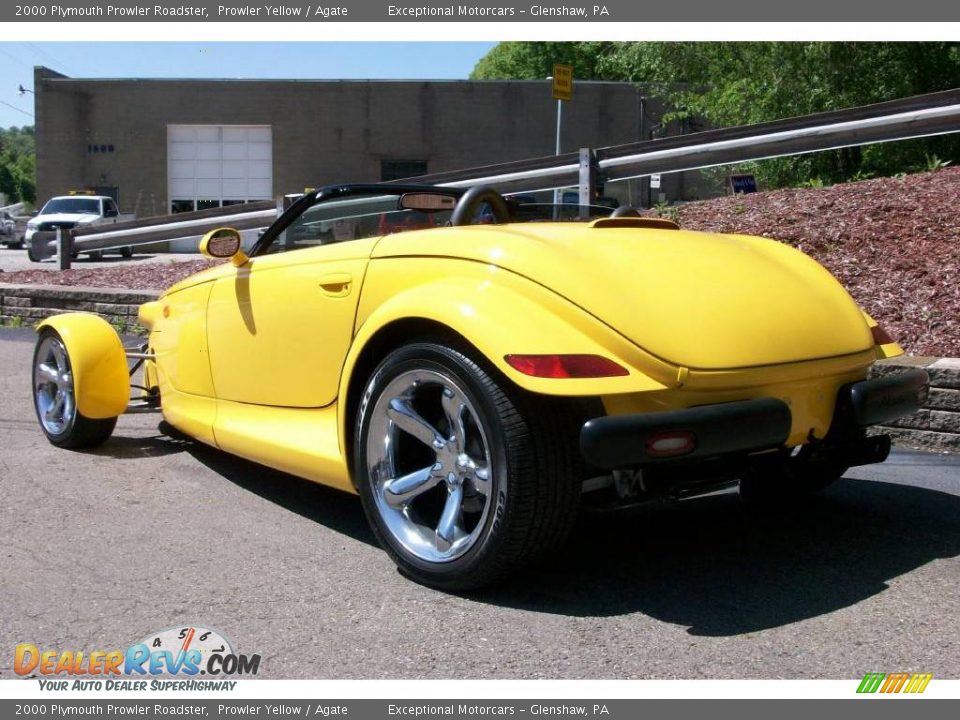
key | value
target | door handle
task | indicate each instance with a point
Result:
(337, 284)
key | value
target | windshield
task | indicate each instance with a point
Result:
(353, 212)
(353, 216)
(85, 205)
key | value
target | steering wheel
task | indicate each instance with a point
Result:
(472, 199)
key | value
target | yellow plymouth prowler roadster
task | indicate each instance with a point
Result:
(477, 374)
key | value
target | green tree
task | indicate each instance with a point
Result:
(739, 83)
(18, 171)
(535, 60)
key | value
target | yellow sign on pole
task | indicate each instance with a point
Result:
(562, 81)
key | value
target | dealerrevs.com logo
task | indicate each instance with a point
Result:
(178, 658)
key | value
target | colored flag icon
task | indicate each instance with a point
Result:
(894, 683)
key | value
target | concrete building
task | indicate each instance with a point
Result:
(167, 145)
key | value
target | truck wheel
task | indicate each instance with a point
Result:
(32, 254)
(54, 398)
(462, 476)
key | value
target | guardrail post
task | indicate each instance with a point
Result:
(64, 243)
(588, 172)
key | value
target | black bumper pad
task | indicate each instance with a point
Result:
(878, 401)
(721, 429)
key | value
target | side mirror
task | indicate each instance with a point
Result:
(223, 243)
(34, 213)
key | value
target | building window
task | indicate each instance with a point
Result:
(179, 206)
(400, 169)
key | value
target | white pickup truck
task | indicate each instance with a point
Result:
(75, 211)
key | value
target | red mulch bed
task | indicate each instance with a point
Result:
(146, 275)
(893, 242)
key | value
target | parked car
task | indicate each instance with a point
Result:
(76, 210)
(477, 383)
(8, 230)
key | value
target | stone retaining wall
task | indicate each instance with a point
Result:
(937, 425)
(28, 304)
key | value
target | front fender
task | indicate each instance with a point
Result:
(101, 379)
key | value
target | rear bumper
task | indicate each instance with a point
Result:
(743, 427)
(875, 402)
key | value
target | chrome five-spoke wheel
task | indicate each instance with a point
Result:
(428, 458)
(462, 475)
(54, 390)
(53, 386)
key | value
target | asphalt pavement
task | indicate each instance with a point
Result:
(98, 549)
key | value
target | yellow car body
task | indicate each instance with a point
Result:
(268, 357)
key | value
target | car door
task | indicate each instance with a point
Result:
(280, 327)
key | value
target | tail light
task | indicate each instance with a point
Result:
(565, 366)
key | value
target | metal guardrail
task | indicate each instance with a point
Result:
(14, 209)
(146, 231)
(917, 116)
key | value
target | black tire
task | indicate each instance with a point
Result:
(95, 254)
(32, 254)
(781, 483)
(126, 252)
(75, 431)
(534, 471)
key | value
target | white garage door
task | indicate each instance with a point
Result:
(216, 165)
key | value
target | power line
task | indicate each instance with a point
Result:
(16, 59)
(14, 107)
(36, 49)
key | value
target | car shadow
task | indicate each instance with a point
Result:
(331, 508)
(334, 509)
(720, 569)
(713, 565)
(122, 447)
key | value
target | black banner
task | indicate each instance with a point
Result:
(546, 11)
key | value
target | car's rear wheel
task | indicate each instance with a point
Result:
(462, 476)
(126, 252)
(55, 400)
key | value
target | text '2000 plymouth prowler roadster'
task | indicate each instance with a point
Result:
(477, 374)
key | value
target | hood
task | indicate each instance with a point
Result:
(699, 300)
(63, 217)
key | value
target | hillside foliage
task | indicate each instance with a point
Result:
(738, 83)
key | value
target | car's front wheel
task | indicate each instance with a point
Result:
(462, 476)
(55, 398)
